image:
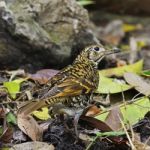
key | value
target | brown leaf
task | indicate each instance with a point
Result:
(91, 111)
(102, 126)
(2, 112)
(7, 132)
(7, 135)
(42, 76)
(139, 84)
(113, 118)
(30, 127)
(94, 123)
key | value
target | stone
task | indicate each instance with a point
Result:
(37, 34)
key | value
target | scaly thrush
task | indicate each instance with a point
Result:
(72, 83)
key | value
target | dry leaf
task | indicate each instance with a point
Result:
(42, 76)
(30, 127)
(7, 135)
(113, 118)
(139, 84)
(33, 146)
(100, 125)
(93, 110)
(6, 132)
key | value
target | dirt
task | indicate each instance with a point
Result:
(63, 136)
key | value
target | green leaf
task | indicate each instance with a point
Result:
(146, 73)
(131, 112)
(111, 85)
(119, 71)
(135, 111)
(13, 87)
(43, 114)
(11, 118)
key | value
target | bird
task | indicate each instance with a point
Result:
(73, 85)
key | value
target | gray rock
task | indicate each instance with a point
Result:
(42, 33)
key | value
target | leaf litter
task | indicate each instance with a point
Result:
(108, 133)
(96, 127)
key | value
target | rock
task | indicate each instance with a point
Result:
(42, 33)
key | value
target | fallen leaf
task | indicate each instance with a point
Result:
(135, 111)
(2, 112)
(13, 87)
(119, 71)
(146, 73)
(30, 127)
(113, 118)
(6, 132)
(95, 124)
(42, 76)
(11, 118)
(91, 111)
(33, 146)
(7, 135)
(111, 85)
(98, 124)
(138, 83)
(42, 114)
(131, 112)
(131, 27)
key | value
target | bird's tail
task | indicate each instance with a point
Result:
(33, 105)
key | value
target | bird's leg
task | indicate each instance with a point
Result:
(60, 108)
(76, 120)
(91, 99)
(75, 113)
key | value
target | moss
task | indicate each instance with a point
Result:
(61, 34)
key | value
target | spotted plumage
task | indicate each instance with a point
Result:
(74, 84)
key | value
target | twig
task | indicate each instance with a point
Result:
(130, 141)
(89, 146)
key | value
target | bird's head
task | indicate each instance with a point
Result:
(95, 53)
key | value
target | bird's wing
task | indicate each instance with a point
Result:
(70, 87)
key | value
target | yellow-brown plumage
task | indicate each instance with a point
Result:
(79, 79)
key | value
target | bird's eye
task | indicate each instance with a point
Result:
(96, 48)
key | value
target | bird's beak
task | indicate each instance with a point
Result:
(108, 52)
(112, 51)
